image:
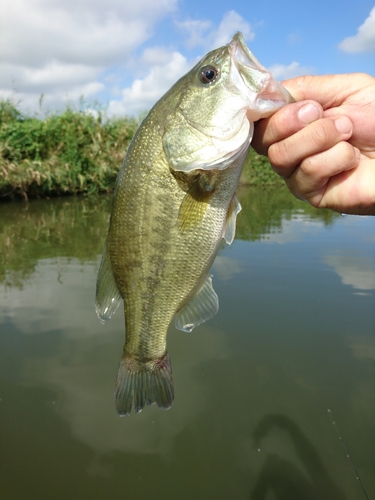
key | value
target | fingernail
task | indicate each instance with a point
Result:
(344, 125)
(308, 113)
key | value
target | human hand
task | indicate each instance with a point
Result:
(323, 145)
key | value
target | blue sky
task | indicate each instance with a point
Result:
(127, 54)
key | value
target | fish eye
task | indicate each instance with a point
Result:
(208, 74)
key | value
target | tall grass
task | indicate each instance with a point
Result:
(74, 152)
(71, 152)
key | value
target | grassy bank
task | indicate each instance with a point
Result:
(74, 152)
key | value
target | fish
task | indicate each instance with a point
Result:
(174, 201)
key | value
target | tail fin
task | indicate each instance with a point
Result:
(143, 384)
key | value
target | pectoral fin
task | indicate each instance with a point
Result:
(194, 203)
(203, 306)
(230, 223)
(108, 297)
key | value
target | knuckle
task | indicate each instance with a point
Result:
(279, 154)
(346, 152)
(308, 167)
(320, 134)
(273, 155)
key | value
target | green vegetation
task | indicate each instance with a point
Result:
(73, 152)
(76, 151)
(257, 171)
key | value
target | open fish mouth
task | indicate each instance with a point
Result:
(252, 73)
(251, 77)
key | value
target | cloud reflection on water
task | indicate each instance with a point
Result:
(266, 352)
(354, 268)
(82, 369)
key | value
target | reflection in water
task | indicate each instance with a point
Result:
(354, 269)
(76, 227)
(45, 229)
(291, 339)
(285, 479)
(226, 268)
(363, 346)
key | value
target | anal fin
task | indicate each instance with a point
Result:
(203, 306)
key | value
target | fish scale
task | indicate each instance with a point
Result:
(174, 201)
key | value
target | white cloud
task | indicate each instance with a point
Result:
(61, 49)
(83, 47)
(143, 94)
(166, 67)
(196, 31)
(231, 23)
(283, 71)
(364, 40)
(97, 32)
(51, 75)
(203, 33)
(155, 56)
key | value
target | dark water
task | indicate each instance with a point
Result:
(294, 337)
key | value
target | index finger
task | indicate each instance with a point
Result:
(329, 90)
(284, 123)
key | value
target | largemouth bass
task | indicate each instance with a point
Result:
(174, 201)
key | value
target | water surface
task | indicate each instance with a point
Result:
(294, 338)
